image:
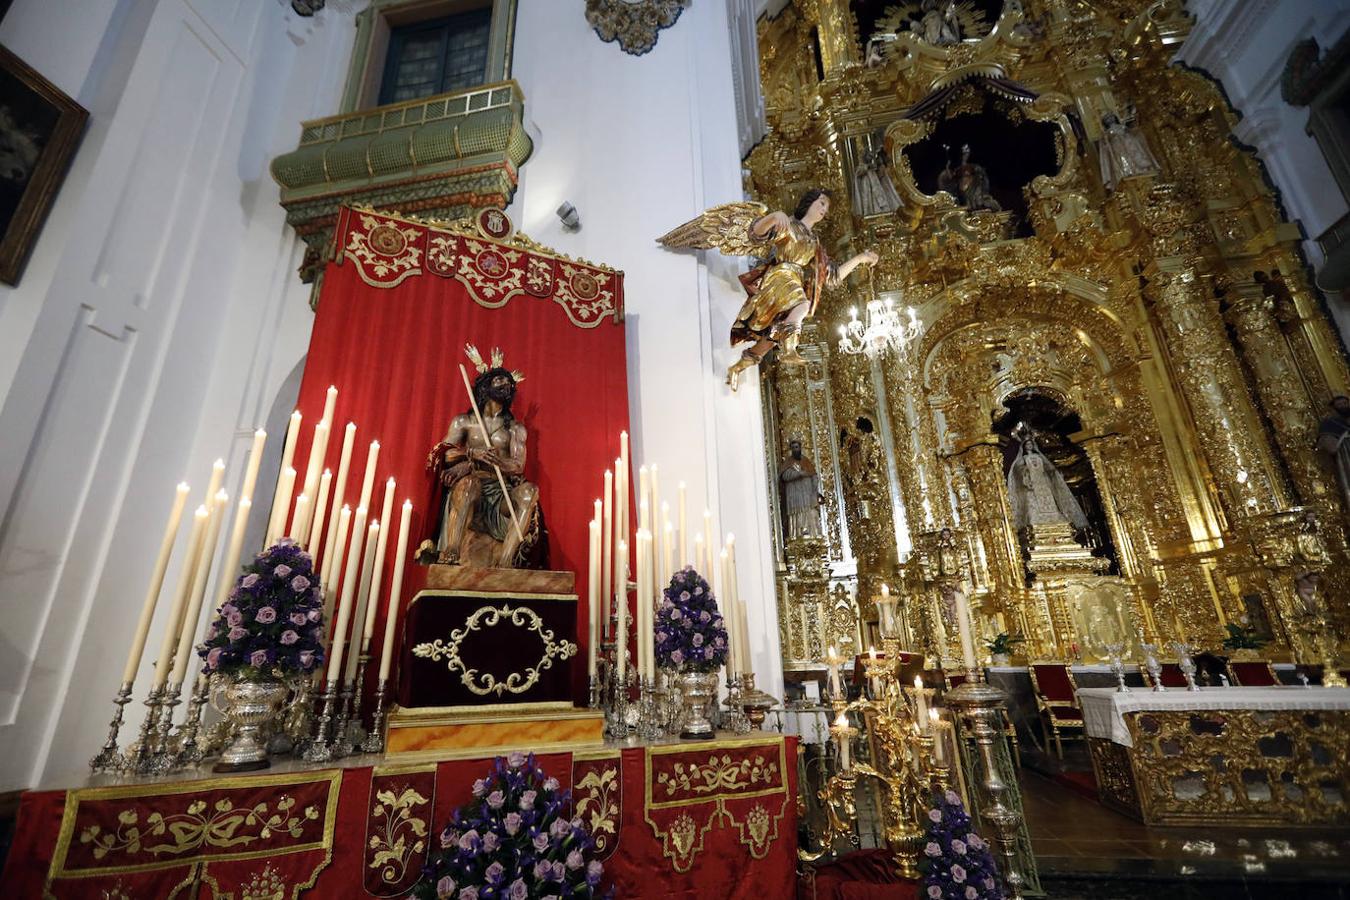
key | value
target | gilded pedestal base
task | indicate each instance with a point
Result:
(470, 731)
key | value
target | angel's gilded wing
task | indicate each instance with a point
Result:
(725, 228)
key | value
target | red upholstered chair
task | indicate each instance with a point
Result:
(1057, 700)
(1252, 673)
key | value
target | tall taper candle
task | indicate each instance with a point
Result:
(395, 588)
(318, 448)
(276, 527)
(683, 531)
(234, 549)
(156, 583)
(319, 517)
(963, 625)
(668, 571)
(656, 510)
(350, 577)
(593, 595)
(728, 607)
(298, 517)
(217, 477)
(386, 510)
(192, 612)
(288, 446)
(742, 623)
(607, 552)
(332, 567)
(621, 598)
(699, 563)
(339, 547)
(368, 481)
(621, 475)
(643, 496)
(170, 640)
(254, 461)
(362, 598)
(644, 517)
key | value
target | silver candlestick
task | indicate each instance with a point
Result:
(356, 731)
(108, 758)
(342, 743)
(1114, 652)
(162, 759)
(649, 725)
(189, 750)
(1152, 665)
(1187, 664)
(138, 762)
(320, 749)
(735, 719)
(374, 742)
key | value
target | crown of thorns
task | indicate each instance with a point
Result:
(497, 362)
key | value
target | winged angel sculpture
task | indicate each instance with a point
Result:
(784, 287)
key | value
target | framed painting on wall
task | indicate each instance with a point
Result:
(40, 127)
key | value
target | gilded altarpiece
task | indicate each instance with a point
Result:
(1093, 259)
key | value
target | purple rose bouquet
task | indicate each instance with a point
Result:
(955, 861)
(513, 841)
(690, 633)
(272, 621)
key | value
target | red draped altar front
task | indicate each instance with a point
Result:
(396, 309)
(681, 821)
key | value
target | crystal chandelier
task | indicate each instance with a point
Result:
(882, 329)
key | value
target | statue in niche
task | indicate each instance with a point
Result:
(937, 24)
(1310, 560)
(1333, 439)
(476, 527)
(1123, 152)
(873, 192)
(1037, 493)
(801, 494)
(784, 289)
(968, 182)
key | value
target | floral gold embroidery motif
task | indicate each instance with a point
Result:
(221, 826)
(598, 804)
(264, 885)
(722, 773)
(385, 254)
(402, 834)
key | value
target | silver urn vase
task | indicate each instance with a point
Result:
(696, 690)
(251, 704)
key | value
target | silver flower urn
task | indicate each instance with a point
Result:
(251, 704)
(696, 689)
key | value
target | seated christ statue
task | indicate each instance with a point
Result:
(489, 514)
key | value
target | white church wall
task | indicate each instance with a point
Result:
(1245, 44)
(154, 325)
(161, 316)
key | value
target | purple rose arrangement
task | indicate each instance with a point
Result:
(272, 622)
(955, 861)
(513, 841)
(690, 633)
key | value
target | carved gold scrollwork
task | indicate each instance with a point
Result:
(483, 683)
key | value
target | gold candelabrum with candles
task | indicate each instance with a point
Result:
(1109, 423)
(909, 753)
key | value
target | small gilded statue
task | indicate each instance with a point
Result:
(785, 287)
(1123, 152)
(1333, 439)
(801, 493)
(873, 192)
(490, 514)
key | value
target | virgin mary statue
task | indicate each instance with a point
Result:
(1037, 492)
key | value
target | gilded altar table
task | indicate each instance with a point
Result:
(1222, 756)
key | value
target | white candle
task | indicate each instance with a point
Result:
(607, 552)
(298, 517)
(344, 610)
(668, 569)
(742, 620)
(217, 477)
(156, 583)
(683, 532)
(644, 517)
(621, 600)
(655, 507)
(832, 660)
(728, 607)
(234, 549)
(377, 581)
(292, 437)
(842, 736)
(920, 702)
(963, 624)
(395, 587)
(180, 598)
(254, 461)
(368, 482)
(318, 448)
(643, 610)
(276, 527)
(192, 612)
(644, 492)
(329, 592)
(593, 596)
(320, 508)
(362, 598)
(938, 737)
(620, 512)
(700, 564)
(333, 560)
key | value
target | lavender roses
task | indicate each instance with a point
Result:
(258, 626)
(955, 862)
(690, 633)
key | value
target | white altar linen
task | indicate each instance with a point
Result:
(1104, 709)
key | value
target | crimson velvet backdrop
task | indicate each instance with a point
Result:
(395, 312)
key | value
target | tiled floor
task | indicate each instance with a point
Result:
(1085, 850)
